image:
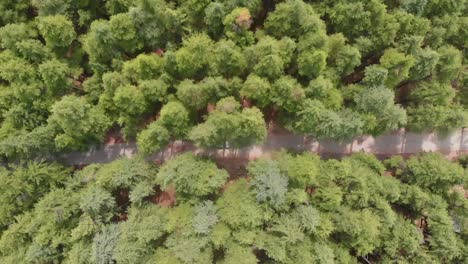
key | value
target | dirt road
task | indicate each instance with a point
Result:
(397, 142)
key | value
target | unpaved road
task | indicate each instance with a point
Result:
(394, 143)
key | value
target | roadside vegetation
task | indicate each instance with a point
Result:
(217, 72)
(292, 208)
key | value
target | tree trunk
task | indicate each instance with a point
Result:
(403, 143)
(460, 148)
(224, 148)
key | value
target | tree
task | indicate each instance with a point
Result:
(342, 56)
(302, 170)
(195, 56)
(123, 31)
(432, 93)
(98, 43)
(24, 185)
(293, 18)
(378, 101)
(56, 76)
(104, 244)
(288, 94)
(155, 90)
(314, 119)
(214, 15)
(237, 25)
(229, 61)
(358, 230)
(175, 118)
(375, 76)
(153, 138)
(53, 7)
(194, 95)
(228, 125)
(12, 34)
(77, 123)
(173, 123)
(98, 204)
(48, 228)
(57, 31)
(237, 207)
(434, 172)
(130, 102)
(398, 66)
(13, 11)
(425, 63)
(269, 57)
(38, 142)
(123, 173)
(143, 67)
(322, 89)
(192, 177)
(311, 64)
(258, 89)
(449, 63)
(436, 118)
(145, 225)
(205, 218)
(268, 182)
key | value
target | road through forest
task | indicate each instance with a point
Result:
(394, 143)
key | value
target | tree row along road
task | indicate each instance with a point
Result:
(394, 143)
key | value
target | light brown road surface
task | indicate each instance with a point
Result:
(394, 143)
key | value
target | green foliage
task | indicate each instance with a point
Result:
(205, 218)
(293, 208)
(194, 58)
(173, 123)
(22, 186)
(229, 60)
(269, 183)
(287, 93)
(122, 173)
(228, 125)
(398, 66)
(258, 89)
(154, 137)
(293, 18)
(302, 170)
(432, 171)
(237, 25)
(97, 203)
(104, 244)
(55, 75)
(237, 207)
(144, 227)
(69, 70)
(379, 102)
(438, 118)
(57, 31)
(129, 57)
(311, 64)
(314, 119)
(192, 177)
(77, 123)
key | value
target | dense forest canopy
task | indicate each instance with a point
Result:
(72, 70)
(291, 208)
(217, 73)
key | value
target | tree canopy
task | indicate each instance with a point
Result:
(289, 208)
(308, 65)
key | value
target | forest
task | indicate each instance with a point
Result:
(291, 208)
(217, 73)
(220, 74)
